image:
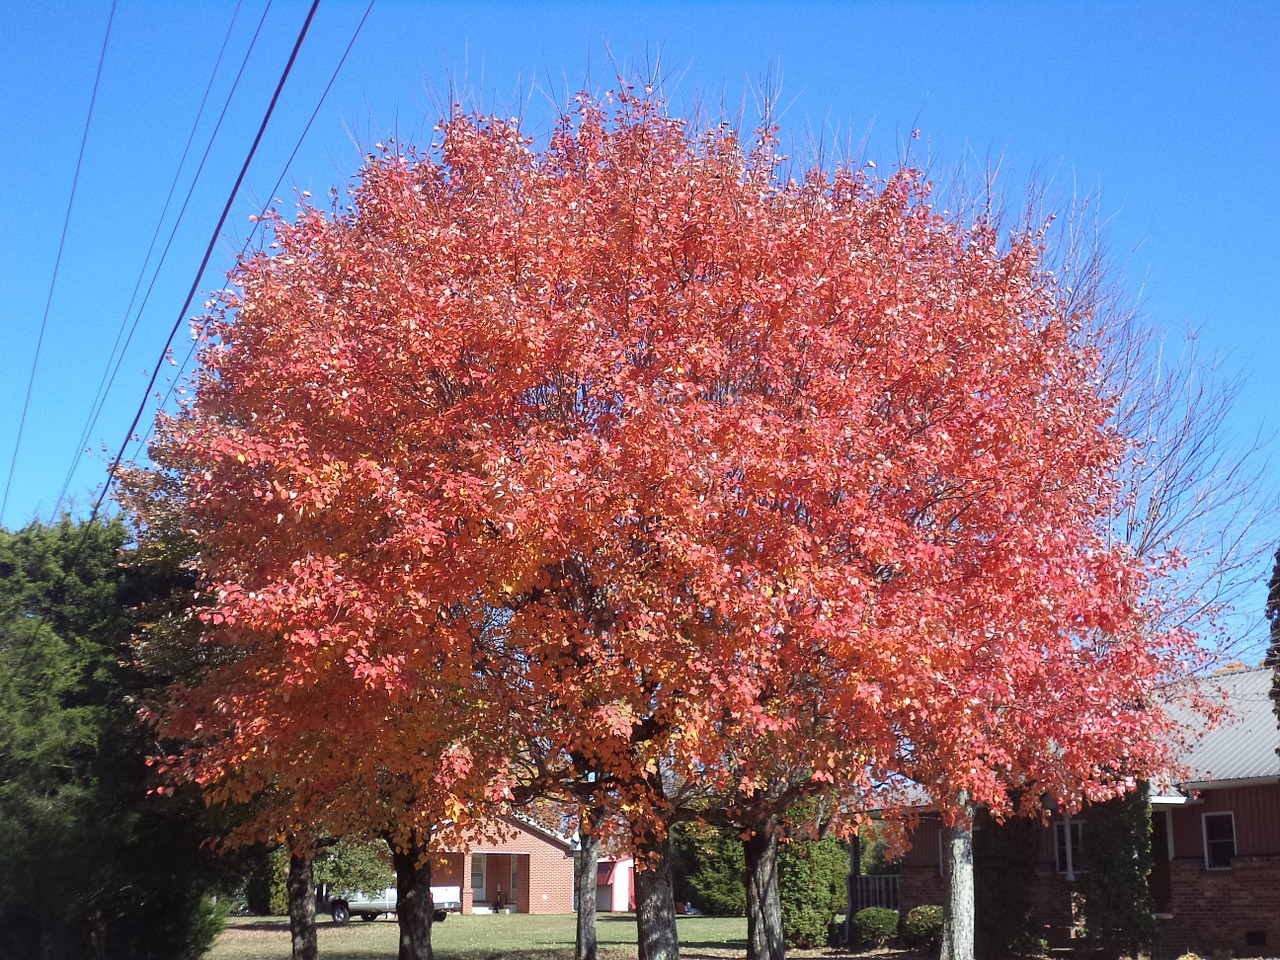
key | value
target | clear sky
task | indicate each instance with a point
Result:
(1170, 110)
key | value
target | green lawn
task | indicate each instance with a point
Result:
(488, 937)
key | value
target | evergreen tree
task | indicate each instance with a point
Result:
(92, 864)
(811, 881)
(1113, 884)
(1003, 872)
(710, 863)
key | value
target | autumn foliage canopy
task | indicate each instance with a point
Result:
(631, 450)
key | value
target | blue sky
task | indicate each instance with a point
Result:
(1171, 111)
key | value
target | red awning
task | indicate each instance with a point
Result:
(604, 872)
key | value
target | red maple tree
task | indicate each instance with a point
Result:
(678, 470)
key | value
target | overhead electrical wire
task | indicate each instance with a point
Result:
(258, 222)
(204, 263)
(57, 263)
(109, 373)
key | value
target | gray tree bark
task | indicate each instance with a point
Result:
(958, 919)
(302, 908)
(586, 862)
(415, 909)
(765, 939)
(655, 903)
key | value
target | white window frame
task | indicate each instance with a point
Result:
(1066, 853)
(1204, 835)
(480, 860)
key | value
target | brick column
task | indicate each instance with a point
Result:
(468, 892)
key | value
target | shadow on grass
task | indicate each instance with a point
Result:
(271, 924)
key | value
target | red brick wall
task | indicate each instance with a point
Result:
(918, 886)
(447, 870)
(544, 869)
(1051, 904)
(1210, 909)
(1215, 909)
(547, 873)
(1050, 897)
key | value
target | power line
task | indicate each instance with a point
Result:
(109, 374)
(57, 263)
(213, 240)
(279, 180)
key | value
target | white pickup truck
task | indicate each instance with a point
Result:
(369, 906)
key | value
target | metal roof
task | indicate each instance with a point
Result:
(1243, 746)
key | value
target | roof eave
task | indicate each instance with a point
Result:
(1225, 784)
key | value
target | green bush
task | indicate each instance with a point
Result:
(876, 926)
(278, 904)
(811, 886)
(710, 869)
(1114, 891)
(354, 865)
(1004, 857)
(804, 927)
(922, 927)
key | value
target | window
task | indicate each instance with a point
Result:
(1219, 840)
(478, 863)
(1066, 836)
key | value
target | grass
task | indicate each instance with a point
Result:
(488, 937)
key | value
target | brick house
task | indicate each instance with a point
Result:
(1215, 841)
(518, 867)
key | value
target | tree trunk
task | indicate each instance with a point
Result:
(414, 906)
(585, 864)
(765, 940)
(958, 920)
(302, 907)
(655, 903)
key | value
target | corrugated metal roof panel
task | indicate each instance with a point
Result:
(1243, 746)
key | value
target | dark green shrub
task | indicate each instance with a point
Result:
(1113, 886)
(1004, 856)
(278, 905)
(354, 865)
(873, 851)
(876, 926)
(805, 927)
(922, 928)
(711, 869)
(811, 886)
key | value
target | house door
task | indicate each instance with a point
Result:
(479, 874)
(1160, 881)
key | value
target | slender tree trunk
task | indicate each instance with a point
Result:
(585, 864)
(958, 920)
(302, 907)
(414, 906)
(765, 940)
(655, 903)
